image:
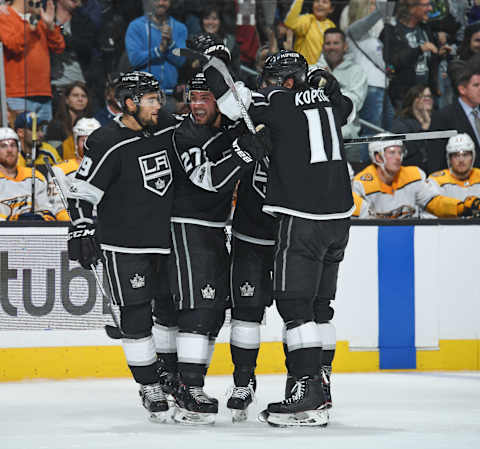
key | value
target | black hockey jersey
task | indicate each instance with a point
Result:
(250, 223)
(128, 175)
(308, 175)
(204, 172)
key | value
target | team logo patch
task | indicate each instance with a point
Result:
(259, 179)
(366, 177)
(137, 281)
(438, 173)
(208, 292)
(247, 290)
(156, 171)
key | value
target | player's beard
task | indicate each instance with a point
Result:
(9, 162)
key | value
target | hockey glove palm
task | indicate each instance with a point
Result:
(252, 147)
(471, 207)
(82, 245)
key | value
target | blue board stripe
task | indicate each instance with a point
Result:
(396, 296)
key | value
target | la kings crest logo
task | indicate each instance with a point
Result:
(259, 179)
(156, 171)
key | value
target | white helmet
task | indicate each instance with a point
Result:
(458, 144)
(379, 147)
(84, 127)
(9, 133)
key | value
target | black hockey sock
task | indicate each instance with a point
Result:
(244, 357)
(327, 357)
(192, 374)
(242, 375)
(167, 361)
(144, 374)
(285, 351)
(305, 362)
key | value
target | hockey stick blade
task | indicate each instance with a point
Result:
(113, 332)
(428, 135)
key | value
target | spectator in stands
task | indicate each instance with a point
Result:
(309, 28)
(16, 185)
(246, 32)
(366, 47)
(111, 108)
(462, 114)
(396, 191)
(351, 76)
(461, 180)
(415, 116)
(471, 42)
(150, 41)
(27, 73)
(211, 22)
(23, 128)
(410, 49)
(73, 104)
(80, 38)
(65, 171)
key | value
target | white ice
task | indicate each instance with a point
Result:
(406, 410)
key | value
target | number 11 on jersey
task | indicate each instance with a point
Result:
(317, 142)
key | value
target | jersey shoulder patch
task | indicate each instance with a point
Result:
(438, 174)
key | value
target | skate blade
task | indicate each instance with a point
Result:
(262, 416)
(239, 415)
(183, 416)
(310, 418)
(157, 417)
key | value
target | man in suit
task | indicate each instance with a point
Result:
(463, 114)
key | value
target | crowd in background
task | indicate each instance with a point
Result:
(404, 64)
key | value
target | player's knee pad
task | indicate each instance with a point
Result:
(250, 314)
(295, 310)
(323, 311)
(137, 319)
(164, 311)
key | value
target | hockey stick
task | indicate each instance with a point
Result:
(114, 332)
(218, 64)
(428, 135)
(34, 155)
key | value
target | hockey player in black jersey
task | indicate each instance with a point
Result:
(309, 191)
(251, 264)
(199, 264)
(126, 173)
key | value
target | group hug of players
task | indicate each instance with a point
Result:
(162, 188)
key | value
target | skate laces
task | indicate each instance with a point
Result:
(241, 392)
(153, 392)
(297, 392)
(199, 395)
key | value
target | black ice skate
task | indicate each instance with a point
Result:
(194, 406)
(326, 374)
(304, 407)
(169, 382)
(153, 399)
(240, 399)
(289, 384)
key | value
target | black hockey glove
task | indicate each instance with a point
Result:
(82, 245)
(319, 78)
(252, 147)
(471, 207)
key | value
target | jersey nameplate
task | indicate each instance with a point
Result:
(156, 171)
(310, 96)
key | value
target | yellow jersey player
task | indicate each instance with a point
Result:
(394, 191)
(16, 185)
(65, 171)
(461, 179)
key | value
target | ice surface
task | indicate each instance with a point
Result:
(407, 410)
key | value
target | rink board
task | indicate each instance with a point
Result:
(408, 298)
